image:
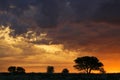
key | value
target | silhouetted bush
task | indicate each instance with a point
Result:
(50, 69)
(65, 71)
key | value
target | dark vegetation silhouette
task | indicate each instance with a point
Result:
(65, 71)
(20, 70)
(16, 70)
(84, 63)
(87, 64)
(12, 69)
(50, 69)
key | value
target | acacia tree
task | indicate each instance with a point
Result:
(88, 64)
(12, 69)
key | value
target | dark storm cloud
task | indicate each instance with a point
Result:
(10, 14)
(13, 21)
(47, 13)
(52, 12)
(109, 12)
(23, 13)
(97, 10)
(78, 22)
(93, 37)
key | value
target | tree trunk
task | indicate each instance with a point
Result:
(89, 71)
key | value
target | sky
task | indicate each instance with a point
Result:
(35, 34)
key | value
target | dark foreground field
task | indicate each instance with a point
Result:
(58, 76)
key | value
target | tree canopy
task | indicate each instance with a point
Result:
(12, 69)
(87, 64)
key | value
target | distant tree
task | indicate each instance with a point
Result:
(65, 71)
(12, 69)
(87, 64)
(50, 69)
(20, 70)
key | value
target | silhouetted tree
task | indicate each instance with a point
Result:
(65, 71)
(50, 69)
(87, 64)
(20, 70)
(12, 69)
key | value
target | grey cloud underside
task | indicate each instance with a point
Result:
(54, 16)
(49, 13)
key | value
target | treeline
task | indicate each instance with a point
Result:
(86, 64)
(21, 70)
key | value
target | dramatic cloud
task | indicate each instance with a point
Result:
(46, 14)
